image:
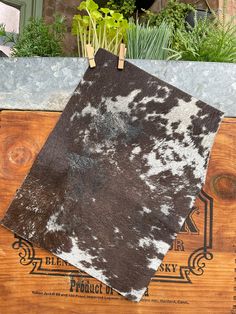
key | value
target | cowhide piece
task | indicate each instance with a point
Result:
(118, 175)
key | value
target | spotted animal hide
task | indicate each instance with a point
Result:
(112, 186)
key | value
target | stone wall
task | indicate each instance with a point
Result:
(68, 9)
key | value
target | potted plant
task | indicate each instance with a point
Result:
(148, 42)
(209, 40)
(100, 27)
(37, 39)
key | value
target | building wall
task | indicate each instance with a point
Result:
(230, 9)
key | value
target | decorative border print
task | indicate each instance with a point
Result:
(195, 264)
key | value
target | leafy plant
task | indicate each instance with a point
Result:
(125, 7)
(173, 14)
(40, 39)
(145, 42)
(102, 28)
(207, 41)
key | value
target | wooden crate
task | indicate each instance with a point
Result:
(197, 275)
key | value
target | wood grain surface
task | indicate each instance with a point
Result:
(197, 275)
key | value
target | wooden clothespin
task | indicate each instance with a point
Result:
(122, 54)
(90, 55)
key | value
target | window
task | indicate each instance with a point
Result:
(10, 17)
(15, 14)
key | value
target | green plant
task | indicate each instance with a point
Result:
(173, 14)
(40, 39)
(145, 42)
(208, 40)
(125, 7)
(102, 28)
